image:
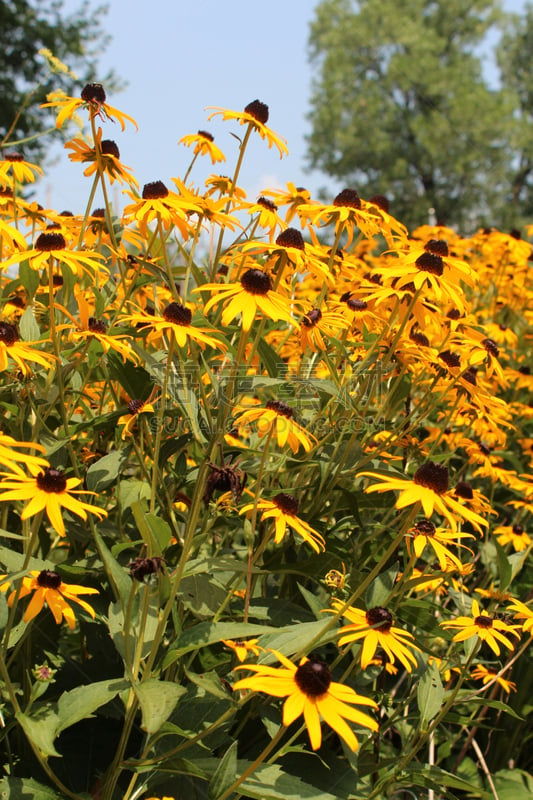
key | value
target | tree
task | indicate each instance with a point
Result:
(515, 54)
(400, 106)
(27, 26)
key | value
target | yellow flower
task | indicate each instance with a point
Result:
(376, 628)
(283, 509)
(48, 489)
(278, 416)
(49, 589)
(93, 98)
(22, 171)
(158, 203)
(486, 628)
(429, 487)
(175, 321)
(52, 243)
(515, 534)
(254, 292)
(522, 612)
(310, 691)
(203, 143)
(241, 649)
(482, 673)
(135, 407)
(12, 348)
(9, 456)
(425, 533)
(256, 116)
(109, 156)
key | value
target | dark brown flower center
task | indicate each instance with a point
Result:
(8, 334)
(379, 617)
(518, 530)
(258, 110)
(313, 678)
(355, 304)
(432, 476)
(525, 370)
(52, 481)
(291, 237)
(14, 157)
(206, 135)
(469, 375)
(464, 489)
(380, 201)
(266, 203)
(419, 338)
(439, 247)
(49, 579)
(454, 313)
(177, 314)
(96, 325)
(50, 241)
(312, 318)
(141, 567)
(110, 148)
(424, 527)
(154, 190)
(286, 503)
(134, 406)
(483, 621)
(93, 93)
(348, 198)
(5, 191)
(99, 213)
(255, 281)
(429, 262)
(280, 408)
(491, 347)
(449, 358)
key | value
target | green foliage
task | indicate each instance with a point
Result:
(400, 106)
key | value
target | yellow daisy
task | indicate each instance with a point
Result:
(204, 145)
(241, 649)
(482, 673)
(176, 322)
(49, 589)
(283, 509)
(488, 629)
(93, 98)
(256, 116)
(278, 416)
(52, 243)
(50, 490)
(310, 691)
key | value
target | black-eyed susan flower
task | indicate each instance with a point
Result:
(203, 143)
(13, 166)
(48, 589)
(283, 509)
(11, 347)
(522, 613)
(429, 487)
(93, 98)
(47, 490)
(277, 417)
(310, 691)
(376, 628)
(349, 210)
(157, 202)
(487, 675)
(513, 534)
(488, 629)
(318, 323)
(256, 116)
(252, 294)
(130, 420)
(10, 458)
(424, 533)
(52, 244)
(89, 328)
(244, 648)
(176, 322)
(109, 154)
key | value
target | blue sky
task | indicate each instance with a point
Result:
(179, 57)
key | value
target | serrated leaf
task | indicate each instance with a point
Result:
(201, 594)
(132, 491)
(24, 788)
(81, 702)
(225, 773)
(105, 471)
(40, 731)
(210, 682)
(430, 693)
(157, 700)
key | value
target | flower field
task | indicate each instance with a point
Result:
(266, 488)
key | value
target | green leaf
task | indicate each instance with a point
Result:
(270, 782)
(105, 471)
(25, 788)
(380, 589)
(296, 638)
(504, 566)
(40, 730)
(29, 330)
(81, 702)
(430, 693)
(225, 773)
(157, 699)
(155, 531)
(201, 594)
(119, 578)
(513, 784)
(210, 682)
(206, 633)
(131, 491)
